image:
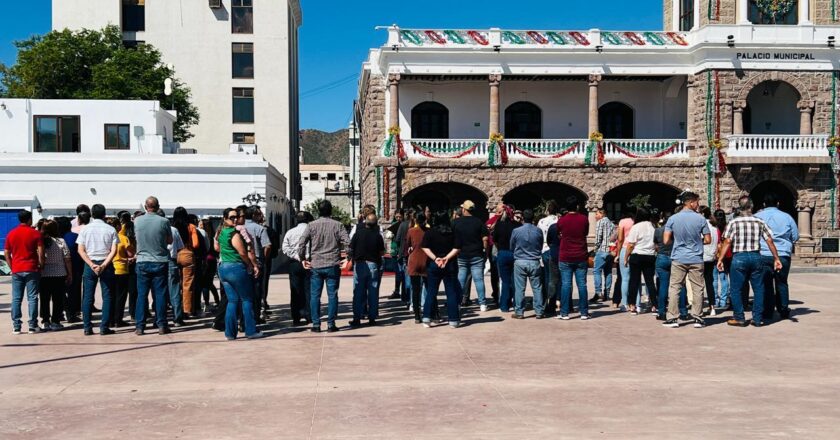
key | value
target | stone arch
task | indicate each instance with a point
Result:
(788, 77)
(668, 179)
(661, 196)
(772, 108)
(786, 195)
(439, 195)
(532, 194)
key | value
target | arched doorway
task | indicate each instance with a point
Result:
(523, 120)
(786, 198)
(772, 109)
(630, 196)
(535, 195)
(615, 120)
(429, 120)
(446, 196)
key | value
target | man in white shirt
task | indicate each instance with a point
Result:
(97, 246)
(298, 276)
(551, 271)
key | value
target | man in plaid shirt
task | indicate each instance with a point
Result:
(744, 234)
(603, 258)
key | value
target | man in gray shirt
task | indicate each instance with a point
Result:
(327, 239)
(153, 235)
(262, 248)
(526, 243)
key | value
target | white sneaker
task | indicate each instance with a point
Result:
(16, 332)
(584, 317)
(484, 308)
(427, 324)
(410, 309)
(564, 317)
(713, 312)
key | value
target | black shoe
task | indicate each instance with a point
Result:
(516, 316)
(106, 331)
(261, 320)
(355, 324)
(595, 299)
(755, 323)
(372, 322)
(315, 329)
(685, 318)
(296, 323)
(139, 332)
(784, 314)
(466, 303)
(120, 324)
(164, 330)
(671, 323)
(540, 316)
(418, 321)
(74, 320)
(394, 295)
(736, 323)
(660, 317)
(95, 310)
(332, 328)
(180, 323)
(88, 331)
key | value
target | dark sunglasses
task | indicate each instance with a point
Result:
(233, 217)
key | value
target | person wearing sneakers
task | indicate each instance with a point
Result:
(25, 253)
(573, 227)
(744, 235)
(474, 238)
(526, 243)
(689, 231)
(442, 245)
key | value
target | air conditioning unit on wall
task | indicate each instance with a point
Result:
(215, 4)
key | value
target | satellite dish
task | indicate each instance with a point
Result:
(167, 86)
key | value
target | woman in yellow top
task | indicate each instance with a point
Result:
(123, 262)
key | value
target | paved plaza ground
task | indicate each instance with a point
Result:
(615, 376)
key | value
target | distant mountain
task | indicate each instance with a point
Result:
(320, 147)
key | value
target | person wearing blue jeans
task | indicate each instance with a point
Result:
(365, 291)
(625, 277)
(174, 289)
(474, 239)
(722, 277)
(151, 276)
(744, 235)
(567, 272)
(602, 273)
(239, 288)
(331, 276)
(663, 276)
(573, 227)
(785, 235)
(473, 267)
(448, 275)
(106, 280)
(97, 247)
(504, 261)
(776, 293)
(25, 282)
(526, 243)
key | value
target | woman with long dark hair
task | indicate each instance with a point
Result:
(710, 258)
(641, 258)
(722, 277)
(236, 272)
(504, 257)
(208, 275)
(125, 283)
(56, 275)
(186, 257)
(441, 245)
(416, 265)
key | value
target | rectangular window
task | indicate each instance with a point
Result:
(133, 44)
(243, 138)
(117, 137)
(133, 15)
(57, 134)
(242, 17)
(243, 105)
(686, 15)
(314, 176)
(243, 60)
(330, 176)
(774, 12)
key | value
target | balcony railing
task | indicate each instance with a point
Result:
(755, 145)
(546, 148)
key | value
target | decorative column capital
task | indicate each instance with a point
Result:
(594, 79)
(739, 105)
(805, 205)
(594, 203)
(393, 79)
(495, 79)
(692, 81)
(805, 106)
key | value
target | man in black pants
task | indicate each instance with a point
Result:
(298, 276)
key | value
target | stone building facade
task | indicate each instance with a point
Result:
(767, 94)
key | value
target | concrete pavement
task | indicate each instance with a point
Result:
(615, 376)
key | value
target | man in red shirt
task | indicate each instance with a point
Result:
(25, 253)
(574, 258)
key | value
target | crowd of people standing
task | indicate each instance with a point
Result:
(681, 258)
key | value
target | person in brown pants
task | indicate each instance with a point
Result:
(186, 258)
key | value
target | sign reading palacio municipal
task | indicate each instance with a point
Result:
(774, 56)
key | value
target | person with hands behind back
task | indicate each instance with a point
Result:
(442, 246)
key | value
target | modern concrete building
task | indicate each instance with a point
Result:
(55, 154)
(239, 58)
(733, 97)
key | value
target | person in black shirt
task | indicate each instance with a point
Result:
(442, 245)
(504, 257)
(473, 234)
(366, 250)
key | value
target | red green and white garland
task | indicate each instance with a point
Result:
(558, 38)
(445, 152)
(659, 149)
(776, 9)
(834, 151)
(496, 151)
(394, 145)
(594, 155)
(545, 152)
(715, 161)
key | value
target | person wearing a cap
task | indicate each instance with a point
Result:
(474, 238)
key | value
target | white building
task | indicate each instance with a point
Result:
(55, 154)
(239, 58)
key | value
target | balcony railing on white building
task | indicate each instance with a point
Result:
(546, 148)
(755, 145)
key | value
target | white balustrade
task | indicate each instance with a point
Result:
(542, 148)
(754, 145)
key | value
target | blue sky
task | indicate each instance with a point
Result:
(337, 34)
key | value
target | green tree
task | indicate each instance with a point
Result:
(89, 64)
(338, 214)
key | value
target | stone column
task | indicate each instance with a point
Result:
(738, 116)
(743, 12)
(803, 222)
(394, 93)
(592, 206)
(805, 110)
(593, 102)
(804, 12)
(495, 79)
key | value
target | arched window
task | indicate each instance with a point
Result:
(523, 120)
(615, 120)
(771, 109)
(429, 120)
(773, 12)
